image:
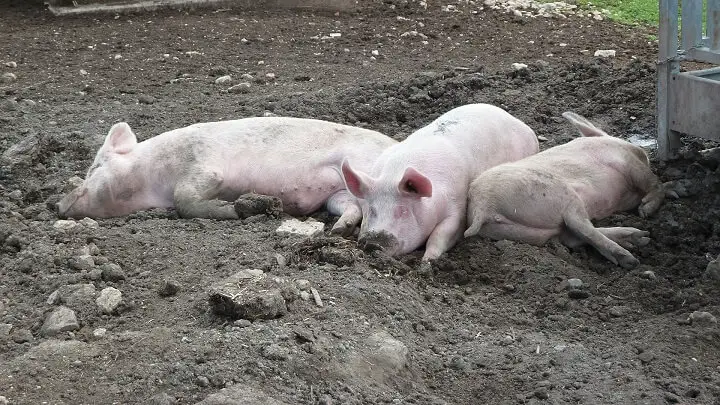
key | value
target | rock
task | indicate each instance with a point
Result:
(109, 299)
(89, 223)
(275, 352)
(54, 298)
(251, 204)
(646, 357)
(203, 381)
(83, 262)
(11, 65)
(617, 311)
(270, 77)
(169, 288)
(65, 224)
(605, 53)
(247, 76)
(671, 398)
(303, 285)
(8, 77)
(250, 294)
(702, 318)
(519, 66)
(145, 99)
(243, 87)
(239, 394)
(242, 323)
(22, 336)
(375, 52)
(387, 352)
(574, 283)
(99, 333)
(75, 294)
(648, 275)
(95, 274)
(712, 271)
(62, 319)
(223, 79)
(112, 272)
(3, 400)
(5, 329)
(161, 399)
(294, 226)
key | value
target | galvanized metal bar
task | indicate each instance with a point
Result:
(712, 25)
(668, 141)
(703, 55)
(691, 23)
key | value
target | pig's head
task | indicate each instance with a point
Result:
(109, 187)
(397, 211)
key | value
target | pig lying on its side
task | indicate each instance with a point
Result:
(199, 169)
(416, 190)
(558, 191)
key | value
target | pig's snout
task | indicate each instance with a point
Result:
(384, 241)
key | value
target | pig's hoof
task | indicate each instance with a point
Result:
(248, 205)
(628, 262)
(425, 269)
(342, 228)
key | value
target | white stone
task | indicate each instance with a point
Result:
(605, 53)
(118, 56)
(83, 72)
(243, 87)
(100, 333)
(519, 66)
(89, 223)
(109, 300)
(375, 52)
(11, 65)
(8, 77)
(223, 79)
(335, 35)
(294, 226)
(64, 224)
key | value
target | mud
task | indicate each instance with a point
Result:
(492, 323)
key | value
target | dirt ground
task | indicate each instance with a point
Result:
(496, 322)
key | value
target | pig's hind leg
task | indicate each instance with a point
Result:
(653, 192)
(577, 221)
(195, 197)
(624, 236)
(345, 205)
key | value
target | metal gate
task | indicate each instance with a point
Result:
(688, 102)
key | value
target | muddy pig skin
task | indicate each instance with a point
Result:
(201, 168)
(557, 192)
(416, 191)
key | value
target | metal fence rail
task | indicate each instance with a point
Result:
(688, 102)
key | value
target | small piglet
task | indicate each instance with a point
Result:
(556, 193)
(199, 169)
(416, 191)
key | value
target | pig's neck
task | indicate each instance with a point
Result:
(159, 171)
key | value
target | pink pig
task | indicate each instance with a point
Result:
(556, 193)
(416, 191)
(201, 168)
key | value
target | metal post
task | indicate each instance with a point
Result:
(668, 141)
(713, 24)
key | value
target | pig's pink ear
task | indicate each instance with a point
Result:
(120, 139)
(413, 182)
(356, 182)
(585, 127)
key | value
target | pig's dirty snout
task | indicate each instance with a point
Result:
(373, 241)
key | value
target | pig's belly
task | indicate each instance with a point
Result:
(519, 232)
(302, 192)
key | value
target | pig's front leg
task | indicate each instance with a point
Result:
(345, 205)
(443, 237)
(624, 236)
(194, 197)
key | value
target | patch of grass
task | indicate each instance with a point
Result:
(627, 11)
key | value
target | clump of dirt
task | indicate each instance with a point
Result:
(492, 322)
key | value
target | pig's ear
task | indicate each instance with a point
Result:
(413, 182)
(357, 183)
(585, 127)
(120, 139)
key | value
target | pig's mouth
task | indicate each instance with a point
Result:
(64, 206)
(380, 241)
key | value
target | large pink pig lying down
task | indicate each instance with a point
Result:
(200, 168)
(416, 191)
(556, 193)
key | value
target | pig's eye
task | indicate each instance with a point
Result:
(410, 187)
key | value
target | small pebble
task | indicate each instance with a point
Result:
(84, 262)
(617, 311)
(375, 52)
(3, 400)
(99, 333)
(223, 79)
(574, 283)
(112, 272)
(303, 285)
(8, 77)
(270, 76)
(648, 275)
(11, 65)
(519, 66)
(578, 294)
(89, 223)
(145, 99)
(541, 393)
(243, 87)
(203, 381)
(169, 288)
(242, 323)
(605, 53)
(109, 300)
